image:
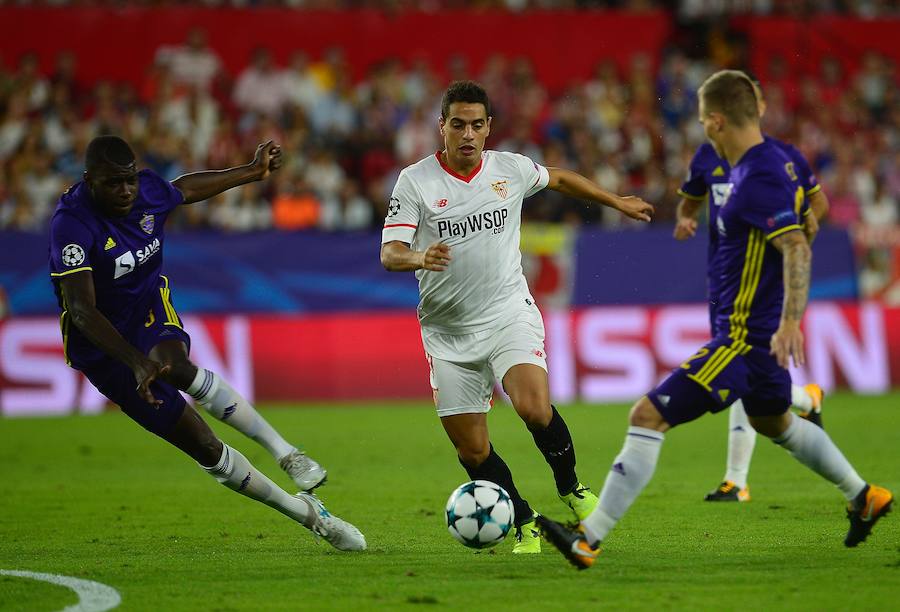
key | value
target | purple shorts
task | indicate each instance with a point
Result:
(116, 381)
(717, 375)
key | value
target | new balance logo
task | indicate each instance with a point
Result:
(229, 411)
(619, 468)
(244, 482)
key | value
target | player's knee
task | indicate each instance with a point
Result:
(770, 426)
(533, 407)
(181, 371)
(536, 412)
(473, 454)
(644, 414)
(208, 450)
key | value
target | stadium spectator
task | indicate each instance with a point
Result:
(193, 65)
(630, 131)
(303, 89)
(296, 206)
(261, 88)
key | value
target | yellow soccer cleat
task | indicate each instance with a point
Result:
(581, 501)
(528, 538)
(814, 416)
(873, 503)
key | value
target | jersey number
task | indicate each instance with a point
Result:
(703, 352)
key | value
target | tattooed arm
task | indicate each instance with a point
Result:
(787, 341)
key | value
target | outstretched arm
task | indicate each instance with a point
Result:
(80, 301)
(199, 186)
(787, 341)
(574, 185)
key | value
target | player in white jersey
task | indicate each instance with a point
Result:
(454, 219)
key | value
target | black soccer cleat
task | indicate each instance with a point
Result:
(863, 512)
(571, 543)
(727, 491)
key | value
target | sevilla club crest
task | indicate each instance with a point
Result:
(500, 189)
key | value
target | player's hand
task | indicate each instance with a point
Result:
(787, 342)
(436, 257)
(145, 373)
(635, 208)
(268, 159)
(685, 228)
(810, 227)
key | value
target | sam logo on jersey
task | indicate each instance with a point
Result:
(128, 261)
(494, 220)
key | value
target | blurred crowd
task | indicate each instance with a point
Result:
(690, 9)
(632, 130)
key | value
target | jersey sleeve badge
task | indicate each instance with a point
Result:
(72, 255)
(393, 208)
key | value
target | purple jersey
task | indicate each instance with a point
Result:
(124, 255)
(763, 200)
(709, 175)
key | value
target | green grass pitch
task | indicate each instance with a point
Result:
(98, 498)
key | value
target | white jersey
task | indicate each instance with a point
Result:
(479, 217)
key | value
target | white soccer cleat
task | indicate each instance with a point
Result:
(304, 471)
(337, 532)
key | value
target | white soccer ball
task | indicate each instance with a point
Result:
(479, 514)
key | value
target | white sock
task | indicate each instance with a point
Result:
(235, 472)
(812, 447)
(631, 471)
(741, 440)
(218, 398)
(800, 398)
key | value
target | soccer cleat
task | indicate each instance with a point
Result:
(304, 471)
(528, 538)
(572, 544)
(869, 506)
(814, 416)
(728, 492)
(337, 532)
(581, 501)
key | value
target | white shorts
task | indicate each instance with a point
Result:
(463, 367)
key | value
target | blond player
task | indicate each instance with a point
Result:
(454, 219)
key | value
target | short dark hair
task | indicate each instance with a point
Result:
(464, 91)
(108, 150)
(731, 93)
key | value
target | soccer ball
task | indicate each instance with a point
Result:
(479, 514)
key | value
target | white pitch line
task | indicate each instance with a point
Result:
(92, 596)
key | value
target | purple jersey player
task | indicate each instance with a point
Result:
(708, 180)
(763, 258)
(120, 327)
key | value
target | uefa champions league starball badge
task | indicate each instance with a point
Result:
(147, 223)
